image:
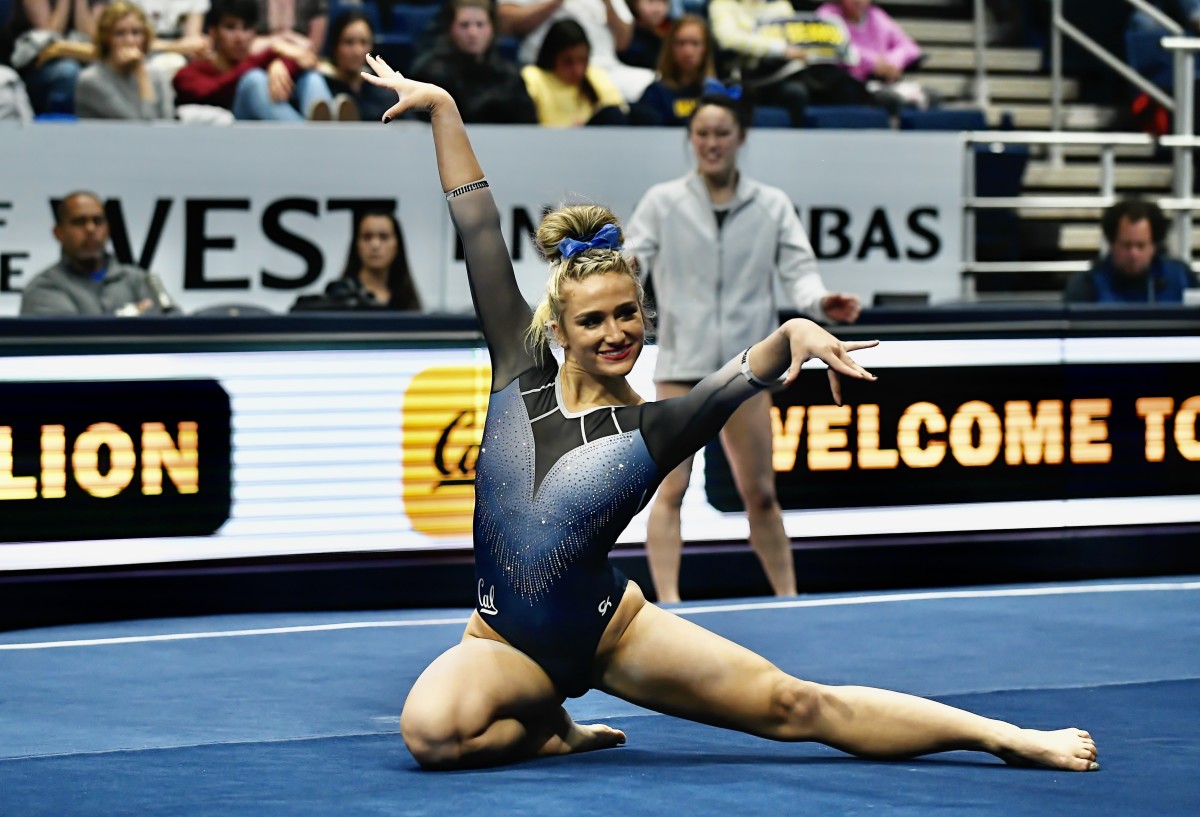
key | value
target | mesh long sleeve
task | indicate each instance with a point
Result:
(502, 310)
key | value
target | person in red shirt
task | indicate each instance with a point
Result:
(277, 82)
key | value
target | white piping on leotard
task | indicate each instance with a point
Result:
(540, 416)
(613, 413)
(549, 385)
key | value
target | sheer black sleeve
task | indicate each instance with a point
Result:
(502, 310)
(677, 428)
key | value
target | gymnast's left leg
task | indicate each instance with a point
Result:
(668, 664)
(485, 703)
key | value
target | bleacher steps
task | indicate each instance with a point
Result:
(1014, 60)
(1001, 87)
(1086, 176)
(1028, 116)
(943, 32)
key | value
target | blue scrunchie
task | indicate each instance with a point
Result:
(607, 237)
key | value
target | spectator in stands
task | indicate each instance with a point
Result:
(378, 265)
(566, 89)
(277, 83)
(52, 41)
(485, 87)
(1184, 12)
(685, 72)
(776, 70)
(351, 38)
(120, 84)
(178, 33)
(87, 280)
(300, 23)
(14, 99)
(883, 52)
(712, 242)
(1136, 269)
(607, 24)
(651, 22)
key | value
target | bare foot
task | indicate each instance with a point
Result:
(1068, 749)
(584, 737)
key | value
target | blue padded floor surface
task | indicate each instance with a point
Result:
(297, 714)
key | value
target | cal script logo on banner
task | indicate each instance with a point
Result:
(444, 412)
(109, 460)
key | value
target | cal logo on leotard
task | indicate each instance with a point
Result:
(487, 601)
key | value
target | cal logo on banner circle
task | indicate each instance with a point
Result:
(444, 412)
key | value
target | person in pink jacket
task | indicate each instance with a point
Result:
(884, 53)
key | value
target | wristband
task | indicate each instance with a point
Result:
(749, 375)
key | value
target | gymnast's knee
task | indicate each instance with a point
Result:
(436, 743)
(796, 708)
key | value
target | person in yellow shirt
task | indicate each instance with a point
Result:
(565, 89)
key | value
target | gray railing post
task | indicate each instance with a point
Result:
(968, 223)
(981, 79)
(1185, 111)
(1056, 82)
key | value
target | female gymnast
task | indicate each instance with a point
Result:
(569, 454)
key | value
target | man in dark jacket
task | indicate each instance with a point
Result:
(1135, 269)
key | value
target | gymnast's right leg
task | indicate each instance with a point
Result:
(485, 703)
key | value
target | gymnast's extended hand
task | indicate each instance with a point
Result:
(414, 96)
(456, 160)
(800, 340)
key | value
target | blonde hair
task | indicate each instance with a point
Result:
(580, 222)
(112, 14)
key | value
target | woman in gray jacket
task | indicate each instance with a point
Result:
(712, 243)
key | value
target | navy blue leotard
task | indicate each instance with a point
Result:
(554, 488)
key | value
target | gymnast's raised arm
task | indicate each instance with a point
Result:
(502, 310)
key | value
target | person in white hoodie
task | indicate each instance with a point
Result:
(711, 244)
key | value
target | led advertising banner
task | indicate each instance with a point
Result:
(225, 455)
(89, 460)
(984, 434)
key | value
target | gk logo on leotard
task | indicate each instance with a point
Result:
(604, 605)
(487, 602)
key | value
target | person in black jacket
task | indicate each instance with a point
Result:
(485, 87)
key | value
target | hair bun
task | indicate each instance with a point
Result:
(579, 222)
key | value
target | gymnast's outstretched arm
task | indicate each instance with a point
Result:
(502, 310)
(675, 429)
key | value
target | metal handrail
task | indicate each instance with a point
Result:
(1106, 196)
(1059, 26)
(1185, 49)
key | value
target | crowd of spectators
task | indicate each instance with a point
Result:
(562, 63)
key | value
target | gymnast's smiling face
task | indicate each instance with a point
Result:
(601, 329)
